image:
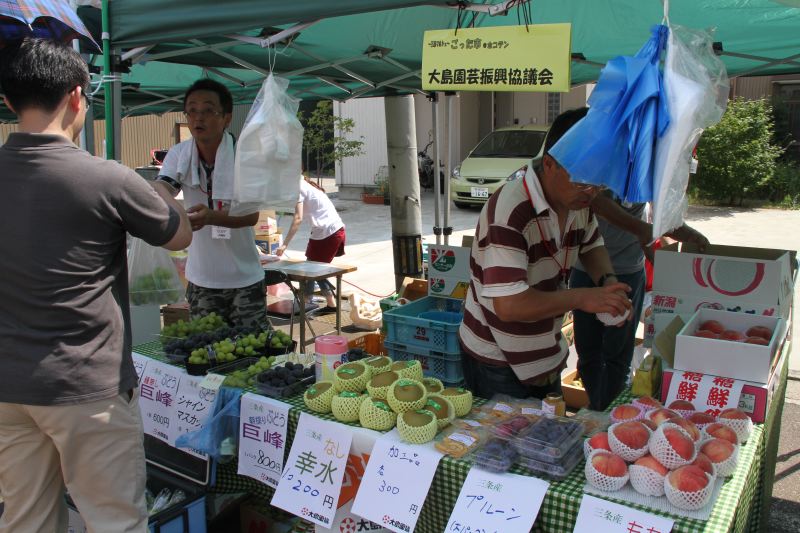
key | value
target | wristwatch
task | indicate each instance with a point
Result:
(601, 281)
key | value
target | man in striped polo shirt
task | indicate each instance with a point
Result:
(529, 235)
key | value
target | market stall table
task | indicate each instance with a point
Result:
(303, 271)
(739, 507)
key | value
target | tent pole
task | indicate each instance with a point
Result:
(107, 85)
(406, 209)
(437, 227)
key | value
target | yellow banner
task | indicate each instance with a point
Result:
(499, 58)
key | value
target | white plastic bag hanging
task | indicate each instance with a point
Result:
(152, 276)
(268, 154)
(696, 86)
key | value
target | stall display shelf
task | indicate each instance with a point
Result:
(739, 507)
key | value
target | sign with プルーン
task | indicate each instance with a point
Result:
(395, 483)
(497, 502)
(262, 438)
(312, 476)
(533, 58)
(601, 516)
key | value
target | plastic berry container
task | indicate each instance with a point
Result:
(497, 456)
(548, 439)
(559, 470)
(511, 427)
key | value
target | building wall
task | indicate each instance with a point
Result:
(144, 133)
(369, 115)
(752, 88)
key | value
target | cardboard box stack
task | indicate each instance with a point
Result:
(739, 288)
(268, 234)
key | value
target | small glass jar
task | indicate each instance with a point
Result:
(554, 404)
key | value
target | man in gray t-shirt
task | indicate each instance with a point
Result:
(605, 352)
(69, 413)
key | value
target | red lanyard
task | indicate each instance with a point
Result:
(563, 269)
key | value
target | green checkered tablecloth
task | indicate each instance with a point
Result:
(739, 506)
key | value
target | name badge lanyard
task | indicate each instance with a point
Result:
(209, 187)
(563, 269)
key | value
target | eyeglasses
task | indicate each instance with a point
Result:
(88, 99)
(587, 187)
(202, 113)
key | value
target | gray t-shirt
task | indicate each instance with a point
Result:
(623, 247)
(64, 320)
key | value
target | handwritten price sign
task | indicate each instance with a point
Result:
(395, 483)
(497, 503)
(139, 363)
(601, 516)
(192, 406)
(312, 477)
(262, 437)
(157, 400)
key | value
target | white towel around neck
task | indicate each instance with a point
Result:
(189, 168)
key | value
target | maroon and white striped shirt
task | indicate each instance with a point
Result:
(508, 256)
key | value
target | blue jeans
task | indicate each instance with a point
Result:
(486, 380)
(605, 352)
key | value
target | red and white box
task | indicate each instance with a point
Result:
(731, 278)
(728, 358)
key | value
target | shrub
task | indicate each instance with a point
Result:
(737, 156)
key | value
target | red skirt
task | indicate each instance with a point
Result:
(324, 250)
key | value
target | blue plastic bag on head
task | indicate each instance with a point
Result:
(614, 144)
(219, 437)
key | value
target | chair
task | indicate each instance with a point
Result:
(275, 277)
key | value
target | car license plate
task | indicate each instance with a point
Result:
(479, 192)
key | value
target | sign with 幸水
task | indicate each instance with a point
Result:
(601, 516)
(711, 394)
(158, 390)
(497, 502)
(395, 483)
(193, 404)
(533, 58)
(312, 476)
(262, 438)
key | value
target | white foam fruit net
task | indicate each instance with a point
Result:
(623, 450)
(646, 480)
(587, 449)
(685, 413)
(691, 501)
(641, 414)
(705, 435)
(602, 481)
(662, 450)
(742, 427)
(728, 466)
(645, 407)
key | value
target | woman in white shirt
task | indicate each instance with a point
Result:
(327, 233)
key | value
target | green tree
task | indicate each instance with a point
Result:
(737, 156)
(325, 137)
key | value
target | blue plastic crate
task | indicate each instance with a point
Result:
(430, 322)
(445, 366)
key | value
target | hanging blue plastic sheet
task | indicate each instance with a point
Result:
(614, 144)
(218, 437)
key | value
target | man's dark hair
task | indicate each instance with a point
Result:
(38, 73)
(205, 84)
(562, 124)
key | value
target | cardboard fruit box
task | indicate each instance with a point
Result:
(733, 278)
(575, 395)
(728, 358)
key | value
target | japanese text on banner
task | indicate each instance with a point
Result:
(312, 476)
(396, 483)
(711, 394)
(500, 58)
(601, 516)
(263, 423)
(497, 503)
(157, 400)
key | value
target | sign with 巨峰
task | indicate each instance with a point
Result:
(535, 58)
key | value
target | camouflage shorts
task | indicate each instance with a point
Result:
(238, 307)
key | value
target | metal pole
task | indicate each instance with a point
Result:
(406, 210)
(446, 229)
(107, 86)
(437, 226)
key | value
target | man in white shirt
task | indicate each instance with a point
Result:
(223, 269)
